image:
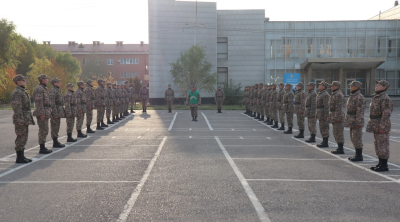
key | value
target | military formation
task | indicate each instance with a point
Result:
(264, 103)
(51, 106)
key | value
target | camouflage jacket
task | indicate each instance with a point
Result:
(118, 96)
(299, 102)
(21, 105)
(268, 98)
(115, 96)
(42, 101)
(355, 110)
(110, 96)
(80, 100)
(322, 105)
(57, 102)
(70, 104)
(245, 94)
(311, 104)
(170, 95)
(219, 96)
(90, 97)
(380, 111)
(144, 93)
(336, 105)
(101, 96)
(281, 93)
(274, 99)
(133, 92)
(264, 97)
(127, 95)
(288, 101)
(251, 96)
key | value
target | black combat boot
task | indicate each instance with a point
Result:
(115, 120)
(220, 110)
(132, 111)
(289, 131)
(99, 126)
(192, 118)
(275, 125)
(311, 139)
(250, 113)
(261, 119)
(282, 127)
(195, 118)
(258, 116)
(324, 143)
(267, 121)
(300, 135)
(169, 110)
(21, 158)
(339, 150)
(89, 130)
(103, 124)
(358, 157)
(81, 135)
(109, 121)
(271, 122)
(377, 165)
(57, 144)
(382, 167)
(44, 150)
(23, 154)
(121, 116)
(70, 139)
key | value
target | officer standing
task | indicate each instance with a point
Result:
(110, 102)
(288, 107)
(42, 111)
(245, 98)
(115, 104)
(70, 111)
(254, 104)
(57, 111)
(251, 99)
(144, 96)
(311, 109)
(80, 107)
(264, 102)
(121, 101)
(336, 115)
(299, 103)
(355, 118)
(259, 107)
(169, 97)
(219, 98)
(268, 99)
(22, 117)
(133, 96)
(274, 106)
(281, 93)
(127, 98)
(101, 100)
(380, 111)
(193, 100)
(323, 113)
(90, 104)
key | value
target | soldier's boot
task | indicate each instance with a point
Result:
(169, 110)
(267, 121)
(23, 154)
(289, 131)
(44, 150)
(258, 116)
(103, 125)
(115, 119)
(99, 126)
(358, 157)
(57, 144)
(311, 139)
(89, 130)
(195, 118)
(70, 139)
(377, 165)
(324, 143)
(275, 125)
(339, 150)
(220, 110)
(383, 166)
(282, 127)
(253, 114)
(250, 113)
(121, 116)
(109, 121)
(132, 111)
(300, 135)
(20, 158)
(261, 119)
(81, 135)
(192, 118)
(271, 122)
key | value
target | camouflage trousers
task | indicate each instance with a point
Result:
(55, 127)
(281, 117)
(115, 110)
(312, 125)
(108, 112)
(79, 121)
(274, 114)
(324, 128)
(43, 130)
(120, 108)
(22, 137)
(169, 103)
(338, 129)
(300, 121)
(70, 124)
(100, 113)
(132, 102)
(193, 109)
(260, 109)
(219, 104)
(356, 137)
(267, 111)
(144, 103)
(289, 119)
(89, 117)
(254, 108)
(382, 145)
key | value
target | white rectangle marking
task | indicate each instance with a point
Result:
(332, 181)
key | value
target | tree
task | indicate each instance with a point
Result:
(192, 68)
(233, 93)
(94, 66)
(8, 86)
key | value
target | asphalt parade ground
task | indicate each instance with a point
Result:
(225, 167)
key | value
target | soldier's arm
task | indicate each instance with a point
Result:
(67, 99)
(326, 107)
(313, 104)
(385, 123)
(39, 103)
(52, 97)
(199, 99)
(360, 108)
(16, 103)
(173, 94)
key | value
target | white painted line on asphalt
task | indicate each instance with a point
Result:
(190, 128)
(46, 182)
(208, 123)
(138, 137)
(113, 137)
(254, 130)
(332, 181)
(190, 137)
(233, 129)
(131, 202)
(115, 124)
(283, 159)
(241, 138)
(115, 145)
(126, 129)
(268, 138)
(172, 123)
(253, 198)
(267, 145)
(95, 159)
(148, 129)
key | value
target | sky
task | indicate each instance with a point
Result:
(108, 21)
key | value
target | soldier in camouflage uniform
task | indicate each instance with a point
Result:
(322, 113)
(42, 111)
(257, 104)
(245, 98)
(254, 101)
(219, 98)
(288, 107)
(115, 104)
(121, 101)
(336, 115)
(132, 90)
(169, 97)
(90, 104)
(264, 101)
(80, 107)
(274, 105)
(281, 93)
(22, 117)
(57, 111)
(260, 107)
(193, 100)
(101, 102)
(380, 111)
(311, 109)
(127, 97)
(144, 96)
(299, 107)
(110, 102)
(70, 111)
(251, 99)
(355, 118)
(268, 105)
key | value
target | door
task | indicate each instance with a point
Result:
(348, 82)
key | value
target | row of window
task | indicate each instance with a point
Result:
(111, 61)
(128, 75)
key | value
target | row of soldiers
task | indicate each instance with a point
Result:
(268, 102)
(109, 99)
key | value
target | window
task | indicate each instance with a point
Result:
(129, 61)
(222, 76)
(392, 77)
(84, 61)
(110, 62)
(222, 48)
(127, 75)
(97, 61)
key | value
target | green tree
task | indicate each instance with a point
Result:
(70, 66)
(233, 93)
(26, 59)
(192, 68)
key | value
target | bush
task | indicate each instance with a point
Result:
(233, 93)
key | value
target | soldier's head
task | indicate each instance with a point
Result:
(381, 85)
(114, 86)
(355, 85)
(109, 85)
(43, 79)
(133, 84)
(335, 85)
(144, 85)
(288, 86)
(19, 80)
(81, 84)
(310, 86)
(322, 86)
(127, 83)
(169, 86)
(281, 85)
(56, 82)
(101, 82)
(299, 86)
(260, 86)
(273, 86)
(266, 86)
(219, 88)
(70, 87)
(89, 82)
(252, 87)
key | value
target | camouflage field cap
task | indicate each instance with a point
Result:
(383, 83)
(281, 84)
(109, 84)
(70, 85)
(273, 84)
(114, 84)
(80, 83)
(356, 84)
(335, 83)
(89, 81)
(300, 84)
(100, 81)
(126, 82)
(288, 84)
(311, 84)
(260, 84)
(324, 84)
(18, 77)
(54, 80)
(256, 84)
(42, 76)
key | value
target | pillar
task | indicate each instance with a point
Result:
(309, 75)
(342, 80)
(371, 90)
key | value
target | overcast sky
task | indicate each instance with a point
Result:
(126, 20)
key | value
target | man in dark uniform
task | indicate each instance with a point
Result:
(219, 98)
(169, 97)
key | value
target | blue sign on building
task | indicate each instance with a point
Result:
(292, 78)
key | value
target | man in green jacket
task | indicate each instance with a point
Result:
(193, 100)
